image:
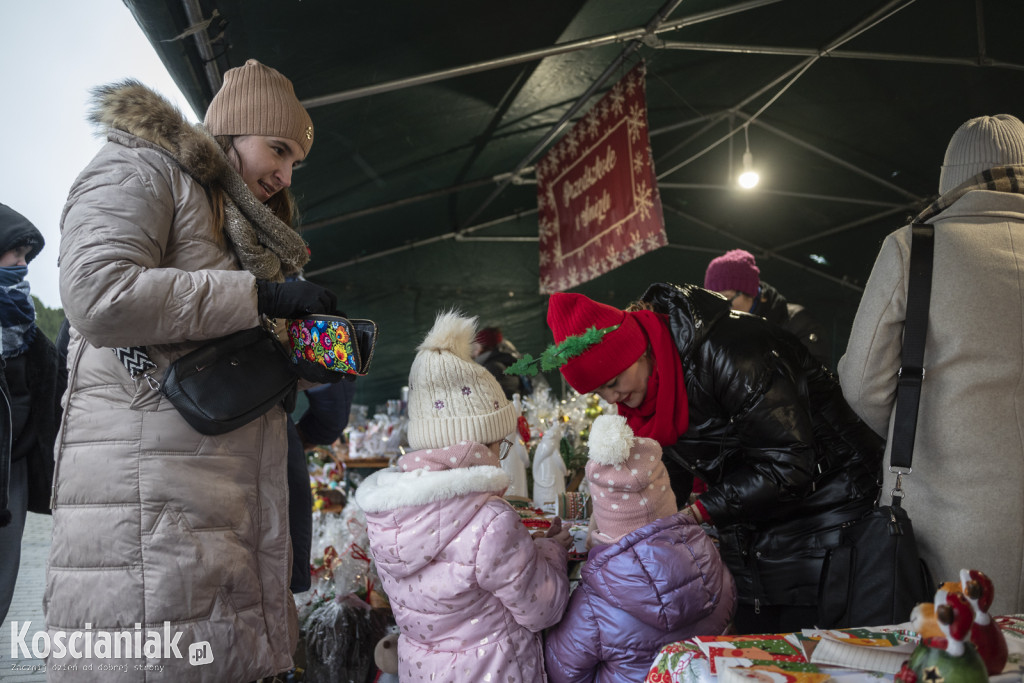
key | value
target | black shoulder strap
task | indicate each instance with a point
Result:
(915, 328)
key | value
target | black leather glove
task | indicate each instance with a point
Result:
(293, 299)
(314, 372)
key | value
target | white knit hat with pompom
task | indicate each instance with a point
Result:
(451, 397)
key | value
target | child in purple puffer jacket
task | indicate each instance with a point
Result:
(652, 577)
(470, 588)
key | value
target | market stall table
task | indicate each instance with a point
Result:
(357, 469)
(687, 662)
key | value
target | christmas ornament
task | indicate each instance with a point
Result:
(948, 659)
(556, 355)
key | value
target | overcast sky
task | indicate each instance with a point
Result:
(52, 52)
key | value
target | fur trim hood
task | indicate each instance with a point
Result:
(413, 517)
(132, 107)
(390, 489)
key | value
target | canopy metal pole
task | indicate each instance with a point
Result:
(780, 193)
(799, 70)
(554, 131)
(852, 224)
(437, 238)
(194, 14)
(533, 55)
(727, 114)
(839, 54)
(370, 210)
(762, 251)
(834, 159)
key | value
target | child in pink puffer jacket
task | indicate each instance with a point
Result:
(470, 588)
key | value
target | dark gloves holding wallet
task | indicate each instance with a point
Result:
(314, 372)
(293, 299)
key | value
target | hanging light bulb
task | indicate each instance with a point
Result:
(749, 178)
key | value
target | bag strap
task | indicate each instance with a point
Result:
(911, 374)
(137, 362)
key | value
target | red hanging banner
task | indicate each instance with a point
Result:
(597, 197)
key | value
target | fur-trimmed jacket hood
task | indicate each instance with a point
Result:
(407, 497)
(131, 107)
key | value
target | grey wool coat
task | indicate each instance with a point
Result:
(157, 527)
(966, 492)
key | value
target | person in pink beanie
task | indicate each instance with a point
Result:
(653, 576)
(735, 276)
(470, 588)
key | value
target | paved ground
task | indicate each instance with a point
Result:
(27, 605)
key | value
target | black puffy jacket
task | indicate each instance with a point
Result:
(785, 458)
(773, 307)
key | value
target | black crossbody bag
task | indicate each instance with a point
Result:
(876, 575)
(226, 383)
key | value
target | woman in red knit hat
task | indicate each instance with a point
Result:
(744, 407)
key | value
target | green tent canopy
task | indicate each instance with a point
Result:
(420, 193)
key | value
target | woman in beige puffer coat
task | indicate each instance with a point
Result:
(161, 534)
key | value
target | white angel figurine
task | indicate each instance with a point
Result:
(517, 460)
(549, 469)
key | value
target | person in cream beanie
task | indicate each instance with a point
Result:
(973, 349)
(445, 541)
(452, 398)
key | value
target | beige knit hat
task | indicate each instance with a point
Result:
(980, 144)
(258, 100)
(452, 398)
(629, 484)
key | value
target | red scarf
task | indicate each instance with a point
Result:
(664, 414)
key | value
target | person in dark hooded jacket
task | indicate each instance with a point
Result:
(31, 383)
(743, 405)
(735, 276)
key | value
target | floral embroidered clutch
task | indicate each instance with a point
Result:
(336, 343)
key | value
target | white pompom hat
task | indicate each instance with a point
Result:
(452, 398)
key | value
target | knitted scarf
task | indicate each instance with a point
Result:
(265, 246)
(998, 179)
(17, 314)
(664, 414)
